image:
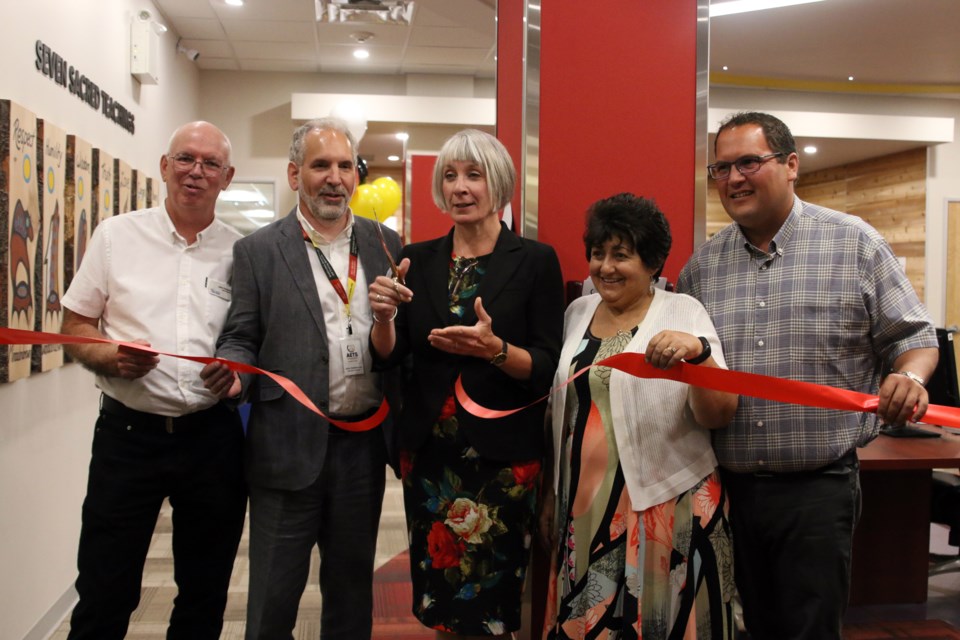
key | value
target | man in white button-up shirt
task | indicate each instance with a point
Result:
(159, 277)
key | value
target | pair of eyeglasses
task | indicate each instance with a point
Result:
(745, 165)
(186, 162)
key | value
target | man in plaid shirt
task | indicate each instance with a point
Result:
(801, 292)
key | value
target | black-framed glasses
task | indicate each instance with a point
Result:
(185, 162)
(744, 164)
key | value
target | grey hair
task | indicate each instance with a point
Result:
(473, 145)
(331, 123)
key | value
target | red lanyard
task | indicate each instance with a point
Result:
(332, 276)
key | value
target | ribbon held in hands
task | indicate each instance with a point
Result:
(20, 336)
(745, 384)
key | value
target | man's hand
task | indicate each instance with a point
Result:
(901, 397)
(220, 380)
(133, 363)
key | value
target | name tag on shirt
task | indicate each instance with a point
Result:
(218, 289)
(351, 350)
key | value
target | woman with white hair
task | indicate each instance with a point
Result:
(487, 306)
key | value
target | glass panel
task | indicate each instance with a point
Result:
(248, 205)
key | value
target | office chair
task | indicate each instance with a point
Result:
(945, 509)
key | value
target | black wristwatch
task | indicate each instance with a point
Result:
(501, 357)
(703, 354)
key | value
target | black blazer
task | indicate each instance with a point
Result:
(522, 291)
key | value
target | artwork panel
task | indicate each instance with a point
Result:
(48, 269)
(139, 182)
(153, 190)
(122, 187)
(78, 199)
(102, 188)
(19, 230)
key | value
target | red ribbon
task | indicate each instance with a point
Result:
(19, 336)
(739, 382)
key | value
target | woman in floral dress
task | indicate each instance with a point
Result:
(486, 306)
(638, 527)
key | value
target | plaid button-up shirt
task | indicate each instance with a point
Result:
(827, 303)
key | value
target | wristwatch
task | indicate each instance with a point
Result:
(703, 354)
(501, 357)
(913, 376)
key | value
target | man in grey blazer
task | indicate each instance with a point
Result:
(300, 309)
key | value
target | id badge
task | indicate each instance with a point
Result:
(219, 289)
(351, 350)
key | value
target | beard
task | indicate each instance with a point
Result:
(320, 209)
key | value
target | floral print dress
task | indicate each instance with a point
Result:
(660, 574)
(469, 519)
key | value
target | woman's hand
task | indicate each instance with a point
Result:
(477, 341)
(386, 294)
(667, 348)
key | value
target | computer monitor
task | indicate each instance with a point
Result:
(942, 386)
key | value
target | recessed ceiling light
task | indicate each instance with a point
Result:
(726, 68)
(742, 6)
(403, 135)
(234, 3)
(361, 54)
(850, 78)
(809, 149)
(393, 158)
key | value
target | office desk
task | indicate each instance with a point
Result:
(892, 541)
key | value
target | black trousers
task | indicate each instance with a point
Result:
(793, 544)
(138, 460)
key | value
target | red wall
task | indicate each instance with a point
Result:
(426, 221)
(510, 96)
(617, 113)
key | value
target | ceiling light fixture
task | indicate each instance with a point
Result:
(234, 3)
(361, 54)
(393, 158)
(809, 149)
(364, 11)
(403, 136)
(718, 9)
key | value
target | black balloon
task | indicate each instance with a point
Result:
(362, 169)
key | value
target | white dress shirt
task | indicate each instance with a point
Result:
(349, 395)
(142, 280)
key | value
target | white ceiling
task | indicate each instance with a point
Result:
(890, 47)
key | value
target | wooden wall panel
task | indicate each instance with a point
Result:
(102, 186)
(78, 198)
(889, 193)
(19, 228)
(48, 270)
(122, 187)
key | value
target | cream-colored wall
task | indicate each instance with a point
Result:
(943, 160)
(253, 108)
(47, 419)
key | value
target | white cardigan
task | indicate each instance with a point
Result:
(663, 451)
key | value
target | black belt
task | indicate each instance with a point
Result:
(369, 413)
(840, 466)
(155, 422)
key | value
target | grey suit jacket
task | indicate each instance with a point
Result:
(276, 323)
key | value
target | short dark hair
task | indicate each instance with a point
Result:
(778, 135)
(635, 221)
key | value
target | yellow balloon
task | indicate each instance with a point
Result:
(366, 202)
(390, 193)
